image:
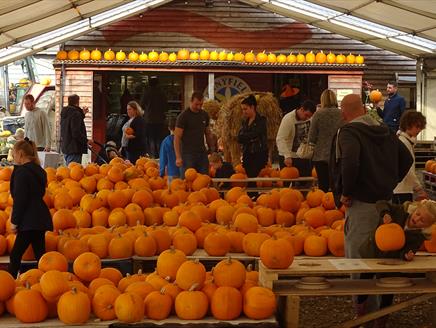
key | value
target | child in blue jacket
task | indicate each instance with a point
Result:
(167, 155)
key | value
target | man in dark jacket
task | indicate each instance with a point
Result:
(393, 108)
(369, 161)
(154, 103)
(73, 131)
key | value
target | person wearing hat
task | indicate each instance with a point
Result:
(19, 135)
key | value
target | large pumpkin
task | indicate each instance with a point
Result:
(390, 237)
(74, 307)
(30, 306)
(226, 303)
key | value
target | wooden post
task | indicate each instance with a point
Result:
(188, 89)
(292, 311)
(211, 86)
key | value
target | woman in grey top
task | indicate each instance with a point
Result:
(325, 123)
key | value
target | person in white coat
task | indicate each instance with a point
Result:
(411, 124)
(36, 125)
(293, 130)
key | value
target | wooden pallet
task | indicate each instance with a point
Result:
(283, 283)
(12, 322)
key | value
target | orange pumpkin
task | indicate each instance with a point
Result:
(375, 96)
(390, 237)
(229, 272)
(191, 304)
(103, 302)
(190, 273)
(169, 262)
(30, 306)
(158, 305)
(226, 303)
(259, 303)
(87, 266)
(276, 253)
(129, 307)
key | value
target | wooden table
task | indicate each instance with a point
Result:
(283, 283)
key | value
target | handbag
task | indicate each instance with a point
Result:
(305, 150)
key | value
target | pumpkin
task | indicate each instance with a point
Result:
(53, 284)
(310, 57)
(7, 284)
(190, 220)
(133, 56)
(74, 307)
(84, 54)
(301, 58)
(222, 55)
(98, 245)
(73, 54)
(230, 56)
(172, 57)
(143, 57)
(252, 242)
(360, 59)
(145, 245)
(213, 55)
(169, 262)
(261, 57)
(351, 59)
(141, 288)
(229, 272)
(340, 59)
(204, 54)
(112, 274)
(191, 304)
(120, 247)
(61, 55)
(259, 303)
(291, 58)
(217, 244)
(190, 273)
(183, 54)
(97, 283)
(375, 96)
(250, 57)
(163, 56)
(120, 55)
(315, 217)
(390, 237)
(331, 58)
(314, 197)
(320, 57)
(109, 55)
(239, 56)
(246, 223)
(30, 306)
(186, 242)
(87, 266)
(315, 246)
(103, 302)
(96, 54)
(53, 261)
(290, 201)
(153, 56)
(226, 303)
(30, 277)
(129, 307)
(194, 56)
(272, 58)
(158, 305)
(335, 243)
(276, 253)
(281, 59)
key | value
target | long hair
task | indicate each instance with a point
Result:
(328, 99)
(28, 148)
(136, 107)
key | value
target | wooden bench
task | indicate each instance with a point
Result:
(286, 285)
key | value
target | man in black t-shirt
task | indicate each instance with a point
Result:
(192, 126)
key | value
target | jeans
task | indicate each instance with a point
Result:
(77, 158)
(36, 238)
(198, 161)
(154, 132)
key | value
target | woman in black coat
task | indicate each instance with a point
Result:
(253, 137)
(136, 136)
(30, 215)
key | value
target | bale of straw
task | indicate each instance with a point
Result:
(212, 107)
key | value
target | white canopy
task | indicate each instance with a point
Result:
(406, 27)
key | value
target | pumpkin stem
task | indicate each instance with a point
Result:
(139, 271)
(27, 285)
(249, 267)
(193, 287)
(229, 260)
(74, 290)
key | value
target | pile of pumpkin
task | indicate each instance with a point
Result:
(430, 166)
(206, 55)
(177, 286)
(117, 211)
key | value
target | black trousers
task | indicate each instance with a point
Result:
(304, 166)
(154, 133)
(254, 162)
(36, 238)
(322, 171)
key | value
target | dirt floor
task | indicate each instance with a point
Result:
(326, 312)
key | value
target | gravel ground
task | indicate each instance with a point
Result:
(319, 312)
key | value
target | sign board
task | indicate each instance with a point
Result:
(227, 86)
(341, 93)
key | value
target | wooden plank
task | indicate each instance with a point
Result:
(341, 287)
(390, 309)
(292, 311)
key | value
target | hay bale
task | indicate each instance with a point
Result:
(230, 120)
(212, 107)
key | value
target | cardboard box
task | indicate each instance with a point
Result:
(50, 159)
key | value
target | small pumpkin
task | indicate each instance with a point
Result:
(129, 308)
(109, 55)
(96, 54)
(375, 96)
(120, 55)
(169, 262)
(84, 54)
(226, 303)
(259, 303)
(87, 266)
(250, 57)
(229, 272)
(158, 305)
(190, 273)
(191, 304)
(276, 253)
(390, 237)
(30, 306)
(261, 57)
(103, 302)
